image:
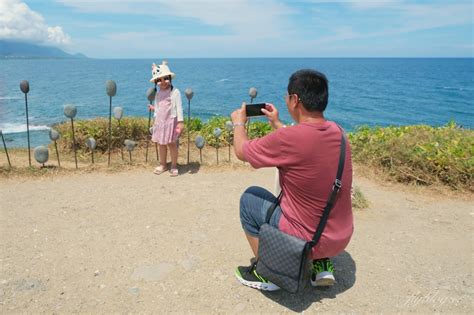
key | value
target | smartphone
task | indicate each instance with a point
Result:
(254, 109)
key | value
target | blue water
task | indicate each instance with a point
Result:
(362, 91)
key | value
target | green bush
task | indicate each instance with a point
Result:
(129, 128)
(420, 154)
(136, 129)
(206, 130)
(358, 199)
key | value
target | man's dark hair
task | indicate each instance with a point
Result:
(311, 87)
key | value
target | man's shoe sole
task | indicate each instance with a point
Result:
(258, 285)
(324, 279)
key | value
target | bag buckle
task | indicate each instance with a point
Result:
(337, 185)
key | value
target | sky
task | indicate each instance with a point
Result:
(243, 28)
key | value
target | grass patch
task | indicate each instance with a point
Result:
(359, 201)
(135, 128)
(418, 154)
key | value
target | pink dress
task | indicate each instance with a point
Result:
(164, 128)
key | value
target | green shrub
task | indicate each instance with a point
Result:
(420, 154)
(193, 125)
(135, 128)
(358, 199)
(129, 128)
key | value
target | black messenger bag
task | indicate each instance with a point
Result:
(285, 259)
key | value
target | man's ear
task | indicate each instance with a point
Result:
(293, 103)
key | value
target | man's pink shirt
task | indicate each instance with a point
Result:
(307, 157)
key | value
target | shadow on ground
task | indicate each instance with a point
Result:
(345, 277)
(191, 168)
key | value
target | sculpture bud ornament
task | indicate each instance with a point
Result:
(118, 112)
(189, 93)
(252, 93)
(54, 135)
(130, 145)
(25, 86)
(200, 142)
(70, 111)
(41, 154)
(111, 88)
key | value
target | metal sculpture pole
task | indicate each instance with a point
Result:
(150, 95)
(91, 144)
(41, 154)
(25, 88)
(111, 89)
(229, 126)
(253, 94)
(189, 95)
(118, 113)
(54, 136)
(217, 134)
(5, 147)
(200, 142)
(70, 111)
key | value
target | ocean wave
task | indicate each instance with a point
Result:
(456, 88)
(222, 80)
(19, 128)
(10, 98)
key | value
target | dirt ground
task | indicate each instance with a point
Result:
(131, 241)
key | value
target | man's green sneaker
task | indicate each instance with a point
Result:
(248, 276)
(322, 273)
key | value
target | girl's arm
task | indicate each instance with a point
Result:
(179, 112)
(179, 106)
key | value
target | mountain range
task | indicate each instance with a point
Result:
(13, 49)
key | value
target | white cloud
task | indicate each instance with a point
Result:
(264, 27)
(259, 19)
(19, 22)
(406, 18)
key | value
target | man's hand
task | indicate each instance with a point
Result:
(239, 116)
(271, 113)
(180, 128)
(151, 107)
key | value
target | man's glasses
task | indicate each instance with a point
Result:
(287, 96)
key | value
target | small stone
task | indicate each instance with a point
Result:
(102, 286)
(96, 273)
(134, 290)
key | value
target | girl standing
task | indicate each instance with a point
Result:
(168, 124)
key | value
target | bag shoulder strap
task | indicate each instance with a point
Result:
(272, 208)
(332, 197)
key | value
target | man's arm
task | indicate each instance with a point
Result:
(240, 137)
(239, 118)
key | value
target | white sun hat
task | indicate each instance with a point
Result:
(159, 71)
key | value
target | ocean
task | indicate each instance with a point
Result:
(362, 91)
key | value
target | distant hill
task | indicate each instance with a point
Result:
(11, 49)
